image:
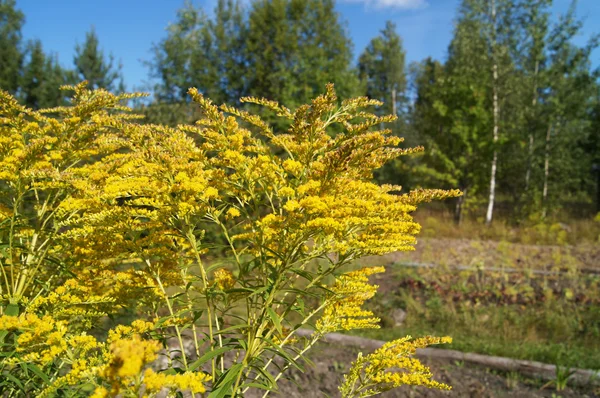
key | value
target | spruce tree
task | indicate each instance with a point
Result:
(34, 76)
(11, 55)
(93, 66)
(382, 68)
(42, 79)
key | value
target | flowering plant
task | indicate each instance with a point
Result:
(224, 237)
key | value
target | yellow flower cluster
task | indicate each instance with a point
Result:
(224, 279)
(73, 300)
(129, 210)
(391, 366)
(128, 356)
(187, 381)
(344, 305)
(39, 340)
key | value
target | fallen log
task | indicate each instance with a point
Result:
(529, 368)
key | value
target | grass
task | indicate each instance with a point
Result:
(437, 223)
(551, 319)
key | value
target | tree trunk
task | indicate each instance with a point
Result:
(458, 210)
(531, 138)
(529, 368)
(546, 170)
(394, 110)
(496, 110)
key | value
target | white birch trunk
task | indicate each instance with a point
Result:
(490, 209)
(546, 170)
(531, 138)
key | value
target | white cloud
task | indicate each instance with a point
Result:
(398, 4)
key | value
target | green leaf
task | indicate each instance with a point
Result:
(276, 320)
(268, 376)
(13, 379)
(224, 385)
(208, 356)
(38, 372)
(231, 328)
(12, 310)
(305, 274)
(197, 315)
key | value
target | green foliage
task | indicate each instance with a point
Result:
(91, 65)
(547, 318)
(546, 96)
(42, 79)
(11, 57)
(382, 69)
(295, 47)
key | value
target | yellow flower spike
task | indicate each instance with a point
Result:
(128, 356)
(292, 166)
(223, 279)
(343, 311)
(232, 212)
(389, 367)
(291, 205)
(287, 192)
(100, 392)
(188, 381)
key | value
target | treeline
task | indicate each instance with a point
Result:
(35, 76)
(511, 117)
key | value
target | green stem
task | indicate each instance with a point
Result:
(192, 239)
(170, 307)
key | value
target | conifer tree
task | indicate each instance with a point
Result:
(382, 68)
(93, 66)
(11, 56)
(42, 79)
(34, 76)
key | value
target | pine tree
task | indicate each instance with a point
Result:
(91, 65)
(42, 78)
(34, 76)
(11, 56)
(382, 68)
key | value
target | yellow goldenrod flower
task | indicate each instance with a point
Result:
(391, 366)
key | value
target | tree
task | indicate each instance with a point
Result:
(203, 53)
(381, 66)
(11, 56)
(42, 78)
(295, 47)
(482, 66)
(173, 55)
(225, 59)
(33, 75)
(568, 105)
(91, 65)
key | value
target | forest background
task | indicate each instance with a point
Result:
(511, 116)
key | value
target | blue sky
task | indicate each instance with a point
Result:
(127, 28)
